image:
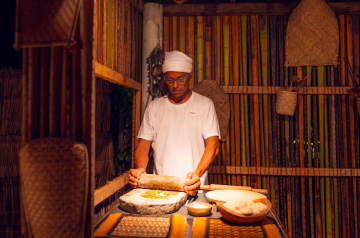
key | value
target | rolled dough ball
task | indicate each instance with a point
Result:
(247, 211)
(239, 204)
(260, 207)
(230, 206)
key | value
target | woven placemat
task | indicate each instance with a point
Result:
(142, 226)
(211, 227)
(133, 225)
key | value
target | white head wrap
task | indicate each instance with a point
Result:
(177, 61)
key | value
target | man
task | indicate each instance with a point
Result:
(176, 126)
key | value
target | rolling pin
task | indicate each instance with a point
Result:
(177, 184)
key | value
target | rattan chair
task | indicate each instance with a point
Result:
(54, 181)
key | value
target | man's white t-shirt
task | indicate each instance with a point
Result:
(178, 133)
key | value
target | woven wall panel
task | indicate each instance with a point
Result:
(46, 23)
(312, 35)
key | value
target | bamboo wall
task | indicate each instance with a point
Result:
(246, 55)
(118, 40)
(119, 37)
(10, 144)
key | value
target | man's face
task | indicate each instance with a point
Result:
(178, 89)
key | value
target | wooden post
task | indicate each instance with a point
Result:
(152, 36)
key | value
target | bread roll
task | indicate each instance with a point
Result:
(230, 206)
(239, 204)
(260, 207)
(247, 211)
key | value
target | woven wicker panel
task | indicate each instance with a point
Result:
(142, 226)
(212, 90)
(217, 228)
(54, 178)
(46, 23)
(312, 35)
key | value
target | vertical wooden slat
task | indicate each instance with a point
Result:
(88, 99)
(264, 48)
(301, 145)
(200, 48)
(63, 94)
(218, 48)
(321, 117)
(33, 94)
(244, 98)
(235, 60)
(190, 41)
(44, 92)
(174, 33)
(208, 58)
(55, 94)
(309, 150)
(182, 34)
(255, 63)
(344, 193)
(226, 58)
(76, 101)
(166, 34)
(352, 189)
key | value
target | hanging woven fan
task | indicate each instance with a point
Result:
(212, 90)
(312, 35)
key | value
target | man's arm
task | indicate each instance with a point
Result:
(211, 151)
(141, 160)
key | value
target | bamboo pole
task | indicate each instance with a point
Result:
(333, 151)
(264, 39)
(191, 46)
(174, 33)
(226, 46)
(182, 34)
(321, 103)
(301, 145)
(235, 60)
(44, 93)
(200, 49)
(273, 43)
(55, 84)
(349, 28)
(356, 57)
(166, 34)
(208, 57)
(33, 96)
(309, 149)
(255, 71)
(63, 95)
(218, 48)
(344, 192)
(318, 217)
(218, 72)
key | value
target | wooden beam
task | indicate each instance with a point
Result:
(110, 188)
(112, 76)
(280, 171)
(249, 9)
(274, 90)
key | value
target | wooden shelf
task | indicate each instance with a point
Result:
(112, 76)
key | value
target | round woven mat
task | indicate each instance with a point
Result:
(210, 89)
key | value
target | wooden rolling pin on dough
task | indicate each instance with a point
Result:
(177, 184)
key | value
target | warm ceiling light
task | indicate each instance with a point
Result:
(180, 1)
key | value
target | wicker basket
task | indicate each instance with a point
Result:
(286, 102)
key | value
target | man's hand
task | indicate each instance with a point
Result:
(134, 176)
(192, 183)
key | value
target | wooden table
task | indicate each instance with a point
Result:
(190, 219)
